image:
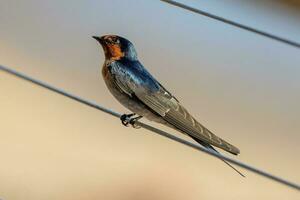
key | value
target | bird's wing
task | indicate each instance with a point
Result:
(162, 102)
(174, 113)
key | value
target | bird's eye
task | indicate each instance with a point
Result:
(109, 40)
(112, 40)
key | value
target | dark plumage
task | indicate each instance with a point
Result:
(134, 87)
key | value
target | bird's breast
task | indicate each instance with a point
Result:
(105, 71)
(111, 84)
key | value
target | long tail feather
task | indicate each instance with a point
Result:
(208, 146)
(240, 173)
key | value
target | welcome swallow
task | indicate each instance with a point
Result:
(135, 88)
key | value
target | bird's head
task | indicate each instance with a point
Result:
(116, 47)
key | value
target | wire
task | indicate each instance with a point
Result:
(236, 24)
(153, 129)
(59, 91)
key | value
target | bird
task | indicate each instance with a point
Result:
(136, 89)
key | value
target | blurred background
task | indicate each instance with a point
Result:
(243, 87)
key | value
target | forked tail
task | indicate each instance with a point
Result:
(208, 146)
(240, 173)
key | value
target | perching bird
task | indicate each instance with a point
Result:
(134, 87)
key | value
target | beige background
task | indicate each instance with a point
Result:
(244, 87)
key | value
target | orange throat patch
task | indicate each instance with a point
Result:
(115, 52)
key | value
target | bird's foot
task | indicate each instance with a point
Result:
(127, 119)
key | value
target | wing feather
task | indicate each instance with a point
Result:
(175, 114)
(162, 102)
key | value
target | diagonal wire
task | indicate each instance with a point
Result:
(236, 24)
(153, 129)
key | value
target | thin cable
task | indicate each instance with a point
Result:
(59, 91)
(153, 129)
(236, 24)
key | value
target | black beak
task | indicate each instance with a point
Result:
(99, 39)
